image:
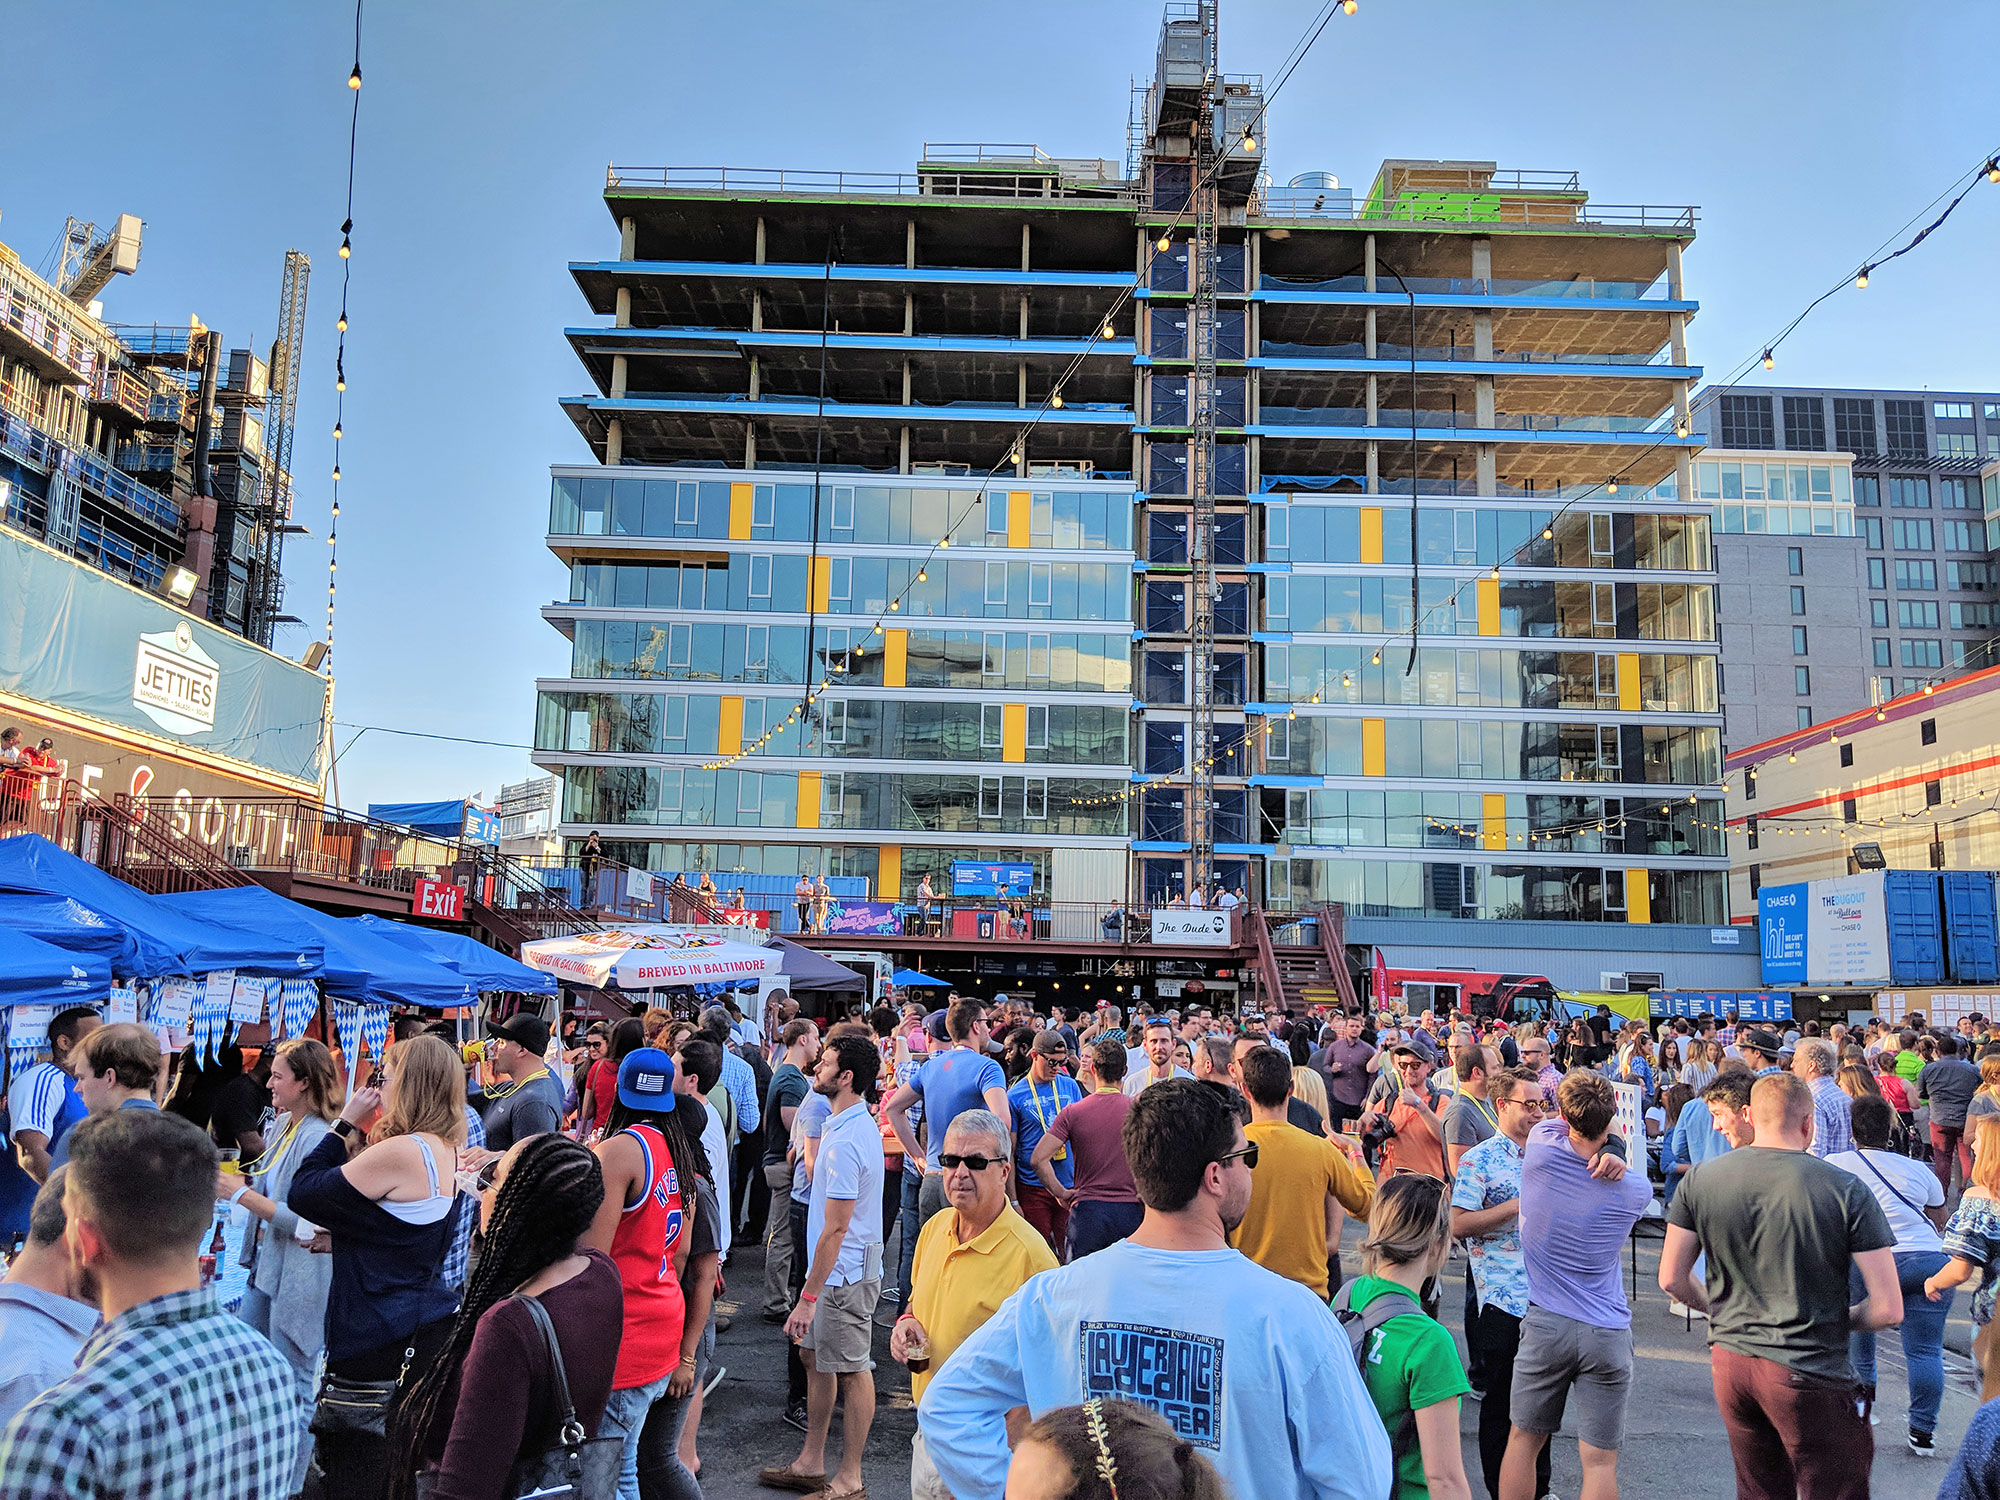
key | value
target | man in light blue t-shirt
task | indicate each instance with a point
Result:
(959, 1078)
(1251, 1370)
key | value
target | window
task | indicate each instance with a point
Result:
(834, 715)
(1917, 614)
(989, 796)
(1957, 494)
(1974, 577)
(996, 583)
(1278, 743)
(1603, 605)
(1927, 731)
(832, 794)
(992, 716)
(1041, 578)
(1972, 617)
(1799, 640)
(1038, 656)
(680, 644)
(760, 575)
(1805, 422)
(1923, 653)
(1601, 544)
(839, 581)
(1035, 797)
(1905, 423)
(1749, 783)
(1933, 793)
(749, 793)
(756, 647)
(1847, 810)
(1746, 422)
(1614, 890)
(1795, 561)
(1607, 747)
(1913, 574)
(1038, 726)
(1878, 573)
(1950, 411)
(687, 504)
(1867, 490)
(1802, 680)
(1878, 613)
(1804, 716)
(1041, 515)
(993, 661)
(1847, 753)
(1882, 651)
(1965, 536)
(1871, 530)
(1798, 599)
(1909, 492)
(1750, 831)
(1854, 424)
(996, 519)
(763, 505)
(842, 517)
(1912, 535)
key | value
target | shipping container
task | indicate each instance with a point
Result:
(1915, 921)
(1972, 928)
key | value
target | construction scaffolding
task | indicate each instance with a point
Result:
(267, 578)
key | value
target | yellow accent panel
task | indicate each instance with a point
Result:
(1014, 731)
(729, 727)
(739, 512)
(1374, 749)
(1493, 820)
(1371, 535)
(1018, 503)
(895, 658)
(822, 583)
(889, 873)
(808, 800)
(1638, 897)
(1489, 606)
(1628, 681)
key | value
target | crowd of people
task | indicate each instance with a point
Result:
(1107, 1249)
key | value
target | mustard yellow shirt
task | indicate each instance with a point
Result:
(1285, 1228)
(955, 1288)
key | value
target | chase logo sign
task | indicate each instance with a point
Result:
(1179, 1375)
(175, 682)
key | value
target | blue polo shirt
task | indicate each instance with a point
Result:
(952, 1082)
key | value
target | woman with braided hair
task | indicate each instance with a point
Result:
(1108, 1450)
(489, 1397)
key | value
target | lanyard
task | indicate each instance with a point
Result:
(494, 1096)
(273, 1154)
(1035, 1099)
(1492, 1116)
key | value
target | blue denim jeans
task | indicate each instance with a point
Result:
(1092, 1226)
(913, 1184)
(625, 1417)
(1922, 1333)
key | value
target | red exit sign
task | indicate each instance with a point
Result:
(436, 899)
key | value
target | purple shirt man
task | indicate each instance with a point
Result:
(1573, 1229)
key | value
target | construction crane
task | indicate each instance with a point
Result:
(90, 260)
(280, 417)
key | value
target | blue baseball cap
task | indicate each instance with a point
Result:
(646, 1081)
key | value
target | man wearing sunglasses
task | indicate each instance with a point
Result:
(1249, 1369)
(1416, 1142)
(1486, 1214)
(970, 1258)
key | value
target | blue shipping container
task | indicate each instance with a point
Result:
(1916, 926)
(1972, 927)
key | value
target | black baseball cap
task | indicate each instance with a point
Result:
(1767, 1042)
(531, 1031)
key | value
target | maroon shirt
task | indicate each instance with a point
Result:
(1092, 1127)
(503, 1403)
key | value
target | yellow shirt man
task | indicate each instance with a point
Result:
(1285, 1228)
(955, 1288)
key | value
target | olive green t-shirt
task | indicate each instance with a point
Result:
(1407, 1364)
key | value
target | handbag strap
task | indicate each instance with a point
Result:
(571, 1432)
(1886, 1182)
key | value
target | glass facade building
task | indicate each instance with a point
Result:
(1464, 641)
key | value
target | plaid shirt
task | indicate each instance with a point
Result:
(1833, 1121)
(459, 1256)
(1726, 1035)
(172, 1397)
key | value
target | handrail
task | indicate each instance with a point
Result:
(859, 184)
(1271, 977)
(1333, 945)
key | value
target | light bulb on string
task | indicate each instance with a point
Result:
(1055, 400)
(336, 432)
(341, 322)
(922, 576)
(354, 78)
(1861, 279)
(1165, 243)
(1769, 362)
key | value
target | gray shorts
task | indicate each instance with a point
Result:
(1558, 1355)
(842, 1335)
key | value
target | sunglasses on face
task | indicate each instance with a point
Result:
(1538, 1105)
(1248, 1154)
(950, 1160)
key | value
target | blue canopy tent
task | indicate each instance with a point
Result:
(33, 972)
(360, 965)
(910, 979)
(50, 894)
(441, 820)
(484, 967)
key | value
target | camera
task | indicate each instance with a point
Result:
(1377, 1135)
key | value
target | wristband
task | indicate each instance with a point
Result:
(808, 1296)
(237, 1196)
(688, 1361)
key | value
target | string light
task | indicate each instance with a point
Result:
(1769, 362)
(340, 326)
(1861, 279)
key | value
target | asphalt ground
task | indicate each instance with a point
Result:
(1675, 1445)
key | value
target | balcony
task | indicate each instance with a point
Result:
(50, 333)
(1398, 422)
(30, 443)
(1583, 289)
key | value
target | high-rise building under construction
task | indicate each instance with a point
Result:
(1149, 521)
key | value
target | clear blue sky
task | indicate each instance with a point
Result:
(1805, 133)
